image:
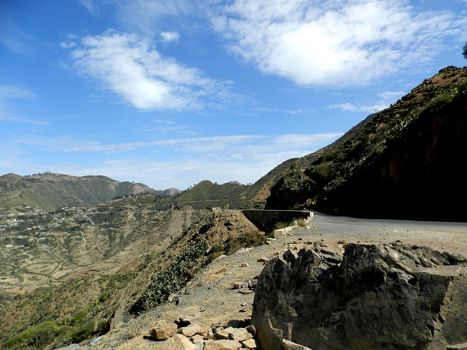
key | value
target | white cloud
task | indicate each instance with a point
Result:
(390, 95)
(169, 36)
(326, 42)
(130, 67)
(385, 99)
(244, 158)
(357, 107)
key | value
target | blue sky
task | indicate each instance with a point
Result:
(173, 92)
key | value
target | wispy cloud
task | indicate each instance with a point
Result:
(144, 17)
(16, 39)
(130, 67)
(219, 158)
(71, 144)
(190, 145)
(328, 42)
(90, 5)
(9, 93)
(385, 99)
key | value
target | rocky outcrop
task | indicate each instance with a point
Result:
(373, 297)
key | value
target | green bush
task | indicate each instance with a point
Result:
(37, 336)
(50, 334)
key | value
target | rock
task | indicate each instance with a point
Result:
(240, 334)
(244, 264)
(178, 342)
(183, 321)
(139, 343)
(223, 344)
(290, 345)
(250, 328)
(197, 338)
(263, 259)
(222, 270)
(252, 283)
(221, 334)
(70, 347)
(191, 330)
(210, 334)
(249, 344)
(375, 297)
(162, 330)
(237, 285)
(245, 291)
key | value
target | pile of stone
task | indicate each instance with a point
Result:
(183, 334)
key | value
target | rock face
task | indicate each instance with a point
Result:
(377, 297)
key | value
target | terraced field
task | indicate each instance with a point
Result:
(47, 249)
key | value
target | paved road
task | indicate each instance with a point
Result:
(450, 235)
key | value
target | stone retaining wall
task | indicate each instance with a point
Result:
(267, 220)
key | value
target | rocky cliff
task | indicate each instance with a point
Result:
(405, 161)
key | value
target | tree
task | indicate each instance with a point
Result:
(464, 51)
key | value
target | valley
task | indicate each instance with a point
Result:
(47, 249)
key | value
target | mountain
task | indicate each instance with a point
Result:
(170, 192)
(207, 194)
(405, 161)
(50, 191)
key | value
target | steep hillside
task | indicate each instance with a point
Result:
(405, 161)
(49, 191)
(73, 273)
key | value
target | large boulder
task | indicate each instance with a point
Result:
(373, 297)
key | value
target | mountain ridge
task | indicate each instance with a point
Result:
(51, 191)
(386, 165)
